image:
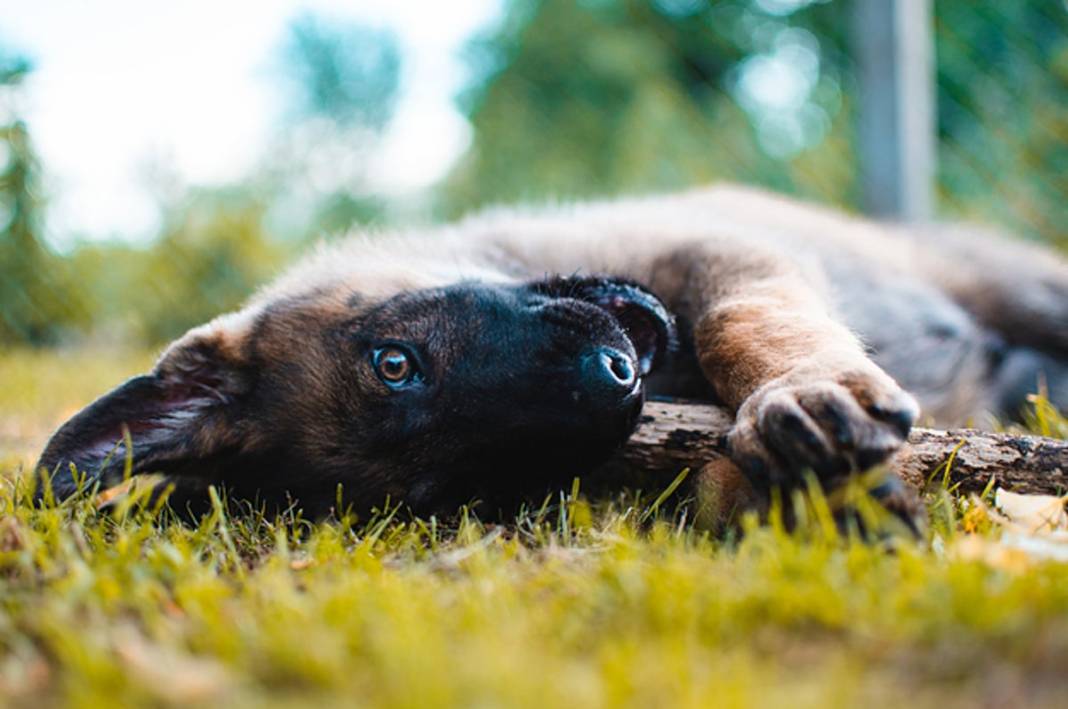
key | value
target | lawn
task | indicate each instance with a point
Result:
(584, 602)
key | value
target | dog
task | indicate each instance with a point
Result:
(511, 351)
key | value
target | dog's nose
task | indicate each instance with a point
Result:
(619, 367)
(609, 374)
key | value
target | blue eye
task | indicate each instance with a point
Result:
(394, 366)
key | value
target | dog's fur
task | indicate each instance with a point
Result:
(811, 325)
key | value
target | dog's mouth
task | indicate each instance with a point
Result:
(640, 314)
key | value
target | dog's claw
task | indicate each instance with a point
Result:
(832, 426)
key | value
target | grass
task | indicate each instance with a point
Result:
(597, 603)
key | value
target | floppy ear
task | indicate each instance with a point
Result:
(645, 319)
(188, 409)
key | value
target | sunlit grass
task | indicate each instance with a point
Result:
(1044, 419)
(593, 603)
(41, 389)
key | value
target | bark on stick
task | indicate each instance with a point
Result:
(676, 435)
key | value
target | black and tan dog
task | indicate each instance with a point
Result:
(510, 351)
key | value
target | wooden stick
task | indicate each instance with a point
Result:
(674, 435)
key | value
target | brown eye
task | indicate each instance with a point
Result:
(394, 366)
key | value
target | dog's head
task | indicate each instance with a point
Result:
(430, 396)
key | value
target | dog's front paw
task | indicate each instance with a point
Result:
(831, 424)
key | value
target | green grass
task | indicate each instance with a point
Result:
(583, 603)
(40, 390)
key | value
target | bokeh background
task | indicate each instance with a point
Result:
(157, 163)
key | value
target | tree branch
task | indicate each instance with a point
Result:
(674, 435)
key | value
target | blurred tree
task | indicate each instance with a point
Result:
(580, 97)
(214, 250)
(343, 71)
(38, 301)
(342, 79)
(217, 245)
(583, 97)
(1003, 114)
(571, 98)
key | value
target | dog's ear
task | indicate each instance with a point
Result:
(189, 408)
(645, 319)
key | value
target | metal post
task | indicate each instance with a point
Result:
(894, 48)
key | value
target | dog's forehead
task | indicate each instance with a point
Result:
(454, 322)
(460, 304)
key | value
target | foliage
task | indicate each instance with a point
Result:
(31, 307)
(214, 250)
(343, 81)
(1003, 114)
(44, 387)
(572, 98)
(602, 603)
(346, 72)
(216, 245)
(573, 605)
(13, 67)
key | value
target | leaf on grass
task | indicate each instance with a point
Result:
(1033, 528)
(113, 494)
(1049, 546)
(176, 676)
(12, 536)
(301, 564)
(21, 676)
(1036, 514)
(974, 547)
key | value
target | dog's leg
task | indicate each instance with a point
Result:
(1018, 289)
(807, 396)
(1023, 372)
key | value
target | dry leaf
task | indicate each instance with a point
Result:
(112, 494)
(1052, 546)
(973, 547)
(1033, 527)
(1035, 513)
(23, 676)
(301, 564)
(12, 537)
(176, 676)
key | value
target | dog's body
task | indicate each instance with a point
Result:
(472, 359)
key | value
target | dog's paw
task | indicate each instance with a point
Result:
(833, 425)
(902, 502)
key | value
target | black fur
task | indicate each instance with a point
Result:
(512, 398)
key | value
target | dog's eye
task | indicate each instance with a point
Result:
(394, 366)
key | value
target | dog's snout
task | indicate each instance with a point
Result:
(619, 366)
(609, 375)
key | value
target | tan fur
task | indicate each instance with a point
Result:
(742, 264)
(724, 256)
(791, 309)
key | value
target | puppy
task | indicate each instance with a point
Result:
(510, 352)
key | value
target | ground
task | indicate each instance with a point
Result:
(584, 602)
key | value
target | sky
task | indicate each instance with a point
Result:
(121, 85)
